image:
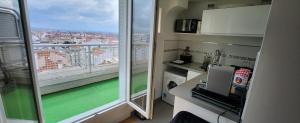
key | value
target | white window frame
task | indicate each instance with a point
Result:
(124, 65)
(148, 113)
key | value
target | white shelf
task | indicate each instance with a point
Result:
(221, 34)
(179, 33)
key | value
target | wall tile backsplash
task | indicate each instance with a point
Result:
(170, 50)
(240, 55)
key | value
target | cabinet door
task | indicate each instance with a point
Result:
(248, 20)
(214, 22)
(241, 21)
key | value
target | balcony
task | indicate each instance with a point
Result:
(65, 66)
(83, 74)
(74, 78)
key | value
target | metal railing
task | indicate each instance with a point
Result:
(62, 56)
(63, 60)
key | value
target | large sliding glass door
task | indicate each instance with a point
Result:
(141, 55)
(18, 102)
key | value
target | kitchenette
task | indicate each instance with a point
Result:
(186, 100)
(212, 93)
(208, 56)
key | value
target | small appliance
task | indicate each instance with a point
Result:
(184, 58)
(216, 90)
(206, 62)
(186, 55)
(172, 79)
(219, 79)
(187, 25)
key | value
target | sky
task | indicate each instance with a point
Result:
(74, 15)
(13, 4)
(142, 11)
(83, 15)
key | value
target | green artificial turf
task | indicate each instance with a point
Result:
(61, 105)
(65, 104)
(18, 102)
(139, 82)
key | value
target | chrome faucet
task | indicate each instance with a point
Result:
(216, 58)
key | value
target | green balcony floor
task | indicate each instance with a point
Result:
(65, 104)
(18, 102)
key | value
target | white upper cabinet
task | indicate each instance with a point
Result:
(241, 21)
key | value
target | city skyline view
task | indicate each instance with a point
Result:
(90, 29)
(93, 23)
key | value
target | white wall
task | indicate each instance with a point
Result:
(241, 55)
(232, 54)
(274, 94)
(170, 11)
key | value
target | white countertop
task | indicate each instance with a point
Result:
(194, 66)
(184, 91)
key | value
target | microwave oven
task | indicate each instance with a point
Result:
(187, 25)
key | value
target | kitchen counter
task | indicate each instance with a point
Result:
(184, 91)
(194, 66)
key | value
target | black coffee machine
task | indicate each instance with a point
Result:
(186, 56)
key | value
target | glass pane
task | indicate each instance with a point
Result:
(140, 52)
(76, 46)
(16, 86)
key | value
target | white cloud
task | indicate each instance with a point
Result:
(76, 7)
(6, 3)
(100, 12)
(86, 14)
(13, 4)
